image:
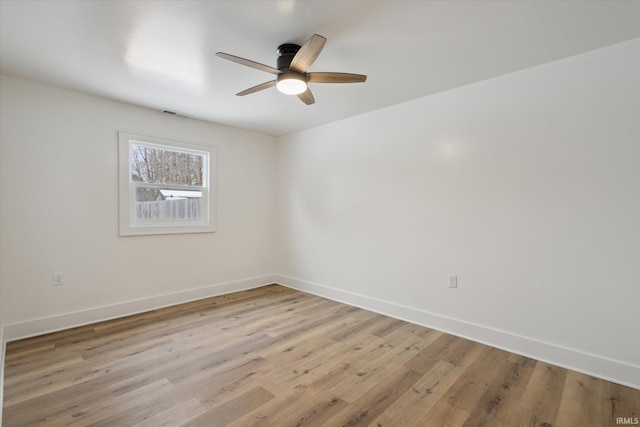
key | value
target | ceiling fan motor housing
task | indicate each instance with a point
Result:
(286, 52)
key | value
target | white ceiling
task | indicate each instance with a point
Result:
(161, 54)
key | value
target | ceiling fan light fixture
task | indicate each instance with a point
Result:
(291, 83)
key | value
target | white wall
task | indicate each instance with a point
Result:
(59, 197)
(527, 186)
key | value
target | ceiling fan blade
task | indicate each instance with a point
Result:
(307, 97)
(336, 78)
(258, 88)
(307, 54)
(248, 63)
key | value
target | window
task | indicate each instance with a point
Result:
(165, 186)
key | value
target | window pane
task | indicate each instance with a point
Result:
(155, 165)
(167, 204)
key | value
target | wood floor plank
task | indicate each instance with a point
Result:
(416, 403)
(174, 416)
(373, 322)
(98, 412)
(299, 407)
(162, 408)
(65, 380)
(273, 356)
(37, 371)
(618, 402)
(303, 364)
(377, 399)
(229, 411)
(374, 365)
(580, 402)
(544, 391)
(443, 414)
(387, 326)
(502, 393)
(207, 388)
(466, 393)
(441, 347)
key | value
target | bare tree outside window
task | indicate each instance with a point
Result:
(160, 166)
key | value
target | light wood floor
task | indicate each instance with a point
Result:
(277, 357)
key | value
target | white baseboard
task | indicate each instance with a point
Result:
(595, 365)
(29, 328)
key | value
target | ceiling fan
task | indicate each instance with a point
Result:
(291, 72)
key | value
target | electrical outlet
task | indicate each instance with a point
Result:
(285, 254)
(453, 281)
(58, 279)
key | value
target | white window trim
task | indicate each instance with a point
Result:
(128, 225)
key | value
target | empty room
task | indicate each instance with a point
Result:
(320, 213)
